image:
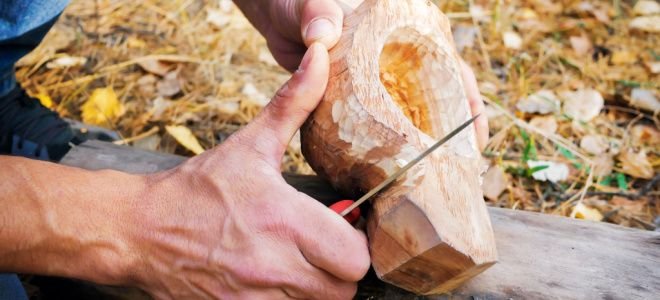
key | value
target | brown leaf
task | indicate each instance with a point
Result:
(582, 105)
(644, 135)
(495, 182)
(170, 85)
(636, 164)
(630, 206)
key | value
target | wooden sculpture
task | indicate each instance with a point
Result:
(395, 87)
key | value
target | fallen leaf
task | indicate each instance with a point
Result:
(44, 99)
(102, 107)
(623, 58)
(512, 40)
(254, 96)
(581, 211)
(545, 123)
(185, 137)
(644, 135)
(169, 85)
(644, 99)
(494, 183)
(636, 164)
(554, 172)
(581, 45)
(582, 105)
(594, 144)
(66, 62)
(646, 7)
(646, 23)
(154, 66)
(543, 102)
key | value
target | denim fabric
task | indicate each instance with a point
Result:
(23, 24)
(11, 288)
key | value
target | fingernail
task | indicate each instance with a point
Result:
(318, 29)
(307, 59)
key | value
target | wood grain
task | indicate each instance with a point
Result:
(540, 256)
(395, 88)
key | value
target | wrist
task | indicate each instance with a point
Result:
(100, 227)
(64, 221)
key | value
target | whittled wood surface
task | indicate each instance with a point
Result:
(540, 256)
(395, 87)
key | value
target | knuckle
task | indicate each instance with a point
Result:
(359, 262)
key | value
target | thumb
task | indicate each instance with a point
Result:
(274, 127)
(321, 21)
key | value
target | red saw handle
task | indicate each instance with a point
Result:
(340, 206)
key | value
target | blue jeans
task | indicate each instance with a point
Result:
(11, 288)
(23, 24)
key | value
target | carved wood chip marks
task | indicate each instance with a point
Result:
(395, 87)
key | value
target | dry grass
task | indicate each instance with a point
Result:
(212, 53)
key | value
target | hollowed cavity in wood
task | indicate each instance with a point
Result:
(414, 71)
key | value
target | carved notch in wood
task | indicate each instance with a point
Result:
(395, 87)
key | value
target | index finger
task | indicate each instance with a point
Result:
(330, 243)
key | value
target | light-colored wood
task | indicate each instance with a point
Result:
(395, 88)
(540, 256)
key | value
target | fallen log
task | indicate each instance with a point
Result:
(540, 256)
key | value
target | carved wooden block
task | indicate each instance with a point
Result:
(395, 88)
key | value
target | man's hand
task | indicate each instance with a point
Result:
(225, 224)
(289, 26)
(222, 225)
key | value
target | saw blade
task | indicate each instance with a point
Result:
(409, 165)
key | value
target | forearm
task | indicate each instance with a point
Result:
(57, 220)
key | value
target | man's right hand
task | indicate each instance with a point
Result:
(226, 225)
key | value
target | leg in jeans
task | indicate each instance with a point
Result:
(23, 23)
(11, 288)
